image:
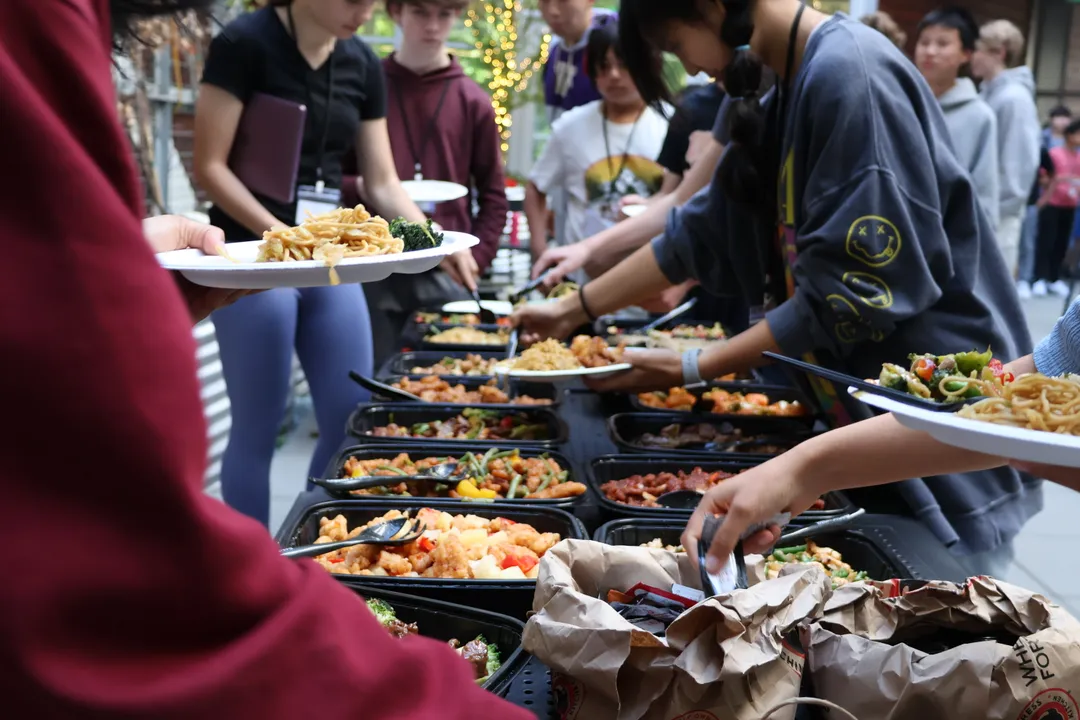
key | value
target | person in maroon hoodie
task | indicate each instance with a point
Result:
(162, 602)
(442, 127)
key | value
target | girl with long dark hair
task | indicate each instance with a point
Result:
(306, 52)
(858, 238)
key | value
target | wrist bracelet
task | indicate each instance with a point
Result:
(690, 371)
(584, 305)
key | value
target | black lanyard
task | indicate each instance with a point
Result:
(772, 254)
(321, 154)
(417, 156)
(626, 151)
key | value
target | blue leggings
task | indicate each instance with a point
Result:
(331, 331)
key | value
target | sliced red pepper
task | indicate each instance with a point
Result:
(525, 562)
(425, 543)
(924, 368)
(337, 560)
(507, 423)
(1008, 377)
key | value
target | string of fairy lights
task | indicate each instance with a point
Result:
(509, 72)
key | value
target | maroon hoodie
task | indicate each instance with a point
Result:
(155, 601)
(462, 146)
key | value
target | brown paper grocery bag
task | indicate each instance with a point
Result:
(860, 654)
(730, 657)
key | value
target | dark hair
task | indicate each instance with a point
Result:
(954, 18)
(1073, 128)
(126, 13)
(745, 173)
(601, 39)
(1060, 111)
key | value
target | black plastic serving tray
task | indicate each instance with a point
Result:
(445, 621)
(616, 467)
(860, 550)
(391, 450)
(541, 391)
(439, 327)
(775, 393)
(510, 597)
(368, 417)
(625, 428)
(403, 363)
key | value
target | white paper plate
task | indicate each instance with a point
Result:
(433, 191)
(996, 440)
(634, 210)
(562, 375)
(515, 194)
(462, 307)
(246, 274)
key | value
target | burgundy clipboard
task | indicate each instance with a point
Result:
(266, 151)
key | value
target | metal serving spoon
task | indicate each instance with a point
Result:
(487, 317)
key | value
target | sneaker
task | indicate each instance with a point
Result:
(1060, 288)
(1023, 289)
(1039, 288)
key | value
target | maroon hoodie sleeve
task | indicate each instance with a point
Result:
(487, 171)
(153, 600)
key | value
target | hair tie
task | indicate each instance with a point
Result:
(743, 48)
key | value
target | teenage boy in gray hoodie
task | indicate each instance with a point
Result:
(943, 48)
(1009, 88)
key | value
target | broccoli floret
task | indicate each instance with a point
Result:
(494, 662)
(382, 611)
(416, 236)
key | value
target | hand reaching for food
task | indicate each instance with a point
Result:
(749, 498)
(652, 370)
(548, 320)
(174, 232)
(562, 261)
(462, 268)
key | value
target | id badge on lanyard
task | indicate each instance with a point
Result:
(315, 199)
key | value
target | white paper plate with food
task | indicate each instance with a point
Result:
(433, 191)
(1004, 425)
(344, 246)
(552, 361)
(634, 210)
(468, 307)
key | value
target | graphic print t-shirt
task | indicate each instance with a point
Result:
(576, 160)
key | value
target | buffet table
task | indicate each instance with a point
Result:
(907, 542)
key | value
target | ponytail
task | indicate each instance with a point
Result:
(744, 173)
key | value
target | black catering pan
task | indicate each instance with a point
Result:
(368, 417)
(404, 363)
(446, 621)
(510, 597)
(439, 327)
(617, 467)
(625, 430)
(391, 450)
(540, 391)
(862, 550)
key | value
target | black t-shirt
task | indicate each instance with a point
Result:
(1046, 165)
(255, 53)
(697, 111)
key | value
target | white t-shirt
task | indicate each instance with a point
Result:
(576, 160)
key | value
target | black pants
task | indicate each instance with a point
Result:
(1052, 242)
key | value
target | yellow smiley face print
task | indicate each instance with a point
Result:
(851, 326)
(873, 241)
(871, 289)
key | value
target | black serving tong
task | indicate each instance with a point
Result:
(383, 388)
(532, 285)
(380, 534)
(447, 473)
(870, 387)
(681, 310)
(822, 526)
(487, 317)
